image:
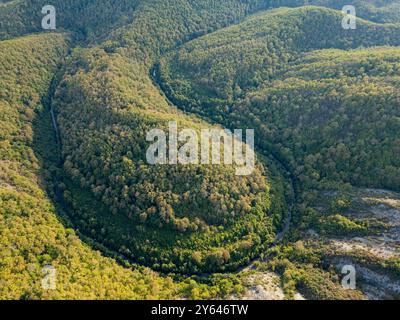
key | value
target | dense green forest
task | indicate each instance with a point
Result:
(103, 131)
(324, 100)
(31, 234)
(95, 19)
(77, 193)
(34, 231)
(331, 114)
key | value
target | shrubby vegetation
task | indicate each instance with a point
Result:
(31, 233)
(304, 268)
(35, 232)
(106, 104)
(323, 100)
(87, 18)
(156, 22)
(93, 19)
(330, 114)
(124, 109)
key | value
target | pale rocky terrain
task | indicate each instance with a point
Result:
(263, 285)
(384, 206)
(367, 204)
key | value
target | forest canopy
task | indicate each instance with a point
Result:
(77, 193)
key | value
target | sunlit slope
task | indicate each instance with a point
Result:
(31, 234)
(219, 66)
(180, 218)
(106, 103)
(328, 110)
(264, 73)
(375, 10)
(88, 18)
(95, 18)
(104, 124)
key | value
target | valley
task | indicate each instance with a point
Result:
(77, 192)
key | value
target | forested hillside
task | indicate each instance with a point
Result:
(103, 130)
(266, 74)
(78, 194)
(94, 19)
(323, 105)
(31, 233)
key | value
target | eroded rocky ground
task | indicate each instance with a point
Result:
(374, 254)
(384, 206)
(368, 252)
(263, 285)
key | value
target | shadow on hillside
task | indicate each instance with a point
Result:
(113, 235)
(52, 180)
